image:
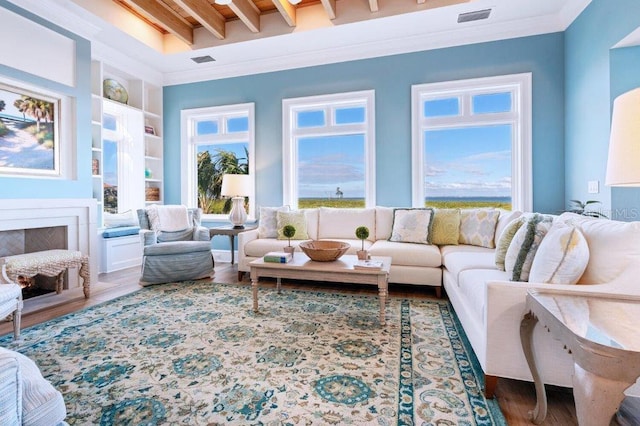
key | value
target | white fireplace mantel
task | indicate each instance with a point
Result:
(78, 215)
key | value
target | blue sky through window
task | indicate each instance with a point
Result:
(331, 162)
(468, 162)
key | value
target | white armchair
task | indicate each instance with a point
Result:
(11, 304)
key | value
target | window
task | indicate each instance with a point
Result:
(329, 150)
(123, 181)
(471, 143)
(216, 141)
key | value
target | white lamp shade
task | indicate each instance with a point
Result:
(623, 164)
(236, 185)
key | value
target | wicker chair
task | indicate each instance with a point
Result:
(175, 256)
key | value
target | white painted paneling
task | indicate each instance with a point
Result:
(32, 48)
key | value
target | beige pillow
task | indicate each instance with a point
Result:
(411, 225)
(505, 240)
(478, 227)
(445, 229)
(562, 256)
(295, 218)
(524, 246)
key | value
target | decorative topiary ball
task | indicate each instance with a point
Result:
(362, 232)
(289, 231)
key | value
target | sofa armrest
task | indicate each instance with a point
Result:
(201, 233)
(243, 239)
(505, 307)
(148, 237)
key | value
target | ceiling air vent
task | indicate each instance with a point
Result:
(474, 16)
(202, 59)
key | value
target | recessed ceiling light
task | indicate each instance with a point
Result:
(223, 2)
(474, 16)
(294, 2)
(202, 59)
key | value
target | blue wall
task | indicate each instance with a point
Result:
(625, 76)
(391, 77)
(588, 102)
(13, 187)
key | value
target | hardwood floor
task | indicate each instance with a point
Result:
(515, 397)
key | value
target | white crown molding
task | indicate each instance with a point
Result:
(121, 61)
(371, 49)
(63, 13)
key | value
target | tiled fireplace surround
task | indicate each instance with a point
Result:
(28, 225)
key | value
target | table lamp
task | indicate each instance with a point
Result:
(623, 164)
(237, 187)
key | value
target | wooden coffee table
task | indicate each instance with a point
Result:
(341, 271)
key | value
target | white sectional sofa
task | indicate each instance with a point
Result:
(489, 305)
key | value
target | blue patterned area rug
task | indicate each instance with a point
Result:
(194, 353)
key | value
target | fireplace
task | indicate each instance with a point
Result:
(30, 225)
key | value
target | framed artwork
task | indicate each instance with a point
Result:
(149, 130)
(29, 132)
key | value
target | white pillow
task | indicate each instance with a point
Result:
(524, 245)
(268, 226)
(562, 257)
(411, 225)
(117, 220)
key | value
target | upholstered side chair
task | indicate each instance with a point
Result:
(176, 247)
(11, 304)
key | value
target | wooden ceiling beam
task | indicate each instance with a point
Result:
(161, 15)
(203, 12)
(287, 10)
(373, 5)
(248, 13)
(330, 8)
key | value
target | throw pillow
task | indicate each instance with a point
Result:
(445, 229)
(562, 256)
(505, 240)
(478, 227)
(411, 225)
(295, 218)
(524, 245)
(268, 225)
(117, 220)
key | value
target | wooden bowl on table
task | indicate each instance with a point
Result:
(324, 251)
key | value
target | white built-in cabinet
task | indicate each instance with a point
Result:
(143, 112)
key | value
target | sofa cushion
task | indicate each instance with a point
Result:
(445, 229)
(312, 222)
(613, 245)
(342, 223)
(177, 247)
(462, 260)
(505, 240)
(562, 256)
(408, 254)
(384, 222)
(295, 218)
(524, 245)
(41, 402)
(268, 225)
(118, 220)
(412, 225)
(478, 227)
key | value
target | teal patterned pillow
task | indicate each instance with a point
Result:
(295, 218)
(478, 227)
(524, 246)
(411, 225)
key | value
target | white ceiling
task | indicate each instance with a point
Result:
(409, 32)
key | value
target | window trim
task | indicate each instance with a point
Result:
(189, 141)
(521, 156)
(329, 103)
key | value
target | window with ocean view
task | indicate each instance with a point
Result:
(328, 150)
(472, 143)
(216, 141)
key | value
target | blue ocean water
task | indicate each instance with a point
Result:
(471, 199)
